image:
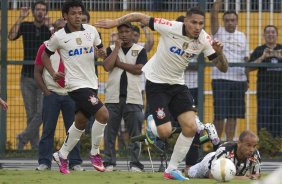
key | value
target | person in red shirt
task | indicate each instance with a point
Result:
(55, 99)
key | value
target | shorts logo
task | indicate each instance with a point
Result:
(160, 113)
(93, 100)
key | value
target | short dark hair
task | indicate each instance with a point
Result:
(87, 15)
(126, 24)
(72, 3)
(230, 12)
(180, 18)
(246, 133)
(136, 29)
(195, 10)
(276, 29)
(39, 2)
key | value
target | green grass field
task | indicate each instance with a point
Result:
(93, 177)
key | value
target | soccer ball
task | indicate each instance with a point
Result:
(223, 170)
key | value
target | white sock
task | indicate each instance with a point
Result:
(71, 140)
(180, 150)
(97, 133)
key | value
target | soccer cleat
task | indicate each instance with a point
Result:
(212, 133)
(149, 133)
(200, 125)
(97, 163)
(62, 163)
(77, 168)
(174, 175)
(42, 167)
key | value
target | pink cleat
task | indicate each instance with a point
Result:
(97, 162)
(62, 163)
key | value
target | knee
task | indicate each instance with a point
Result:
(189, 129)
(102, 115)
(164, 133)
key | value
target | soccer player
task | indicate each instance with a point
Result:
(76, 43)
(166, 91)
(243, 154)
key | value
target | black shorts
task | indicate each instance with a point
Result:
(168, 101)
(86, 101)
(228, 99)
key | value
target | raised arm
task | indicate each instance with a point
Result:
(149, 39)
(220, 60)
(214, 16)
(13, 33)
(131, 17)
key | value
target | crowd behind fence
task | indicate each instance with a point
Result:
(253, 16)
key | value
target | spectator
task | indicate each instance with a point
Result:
(33, 33)
(229, 88)
(77, 43)
(55, 99)
(269, 83)
(3, 104)
(149, 43)
(123, 94)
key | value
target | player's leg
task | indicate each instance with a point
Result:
(68, 112)
(181, 106)
(201, 169)
(101, 118)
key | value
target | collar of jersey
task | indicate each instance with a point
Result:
(68, 31)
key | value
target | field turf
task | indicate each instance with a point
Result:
(93, 177)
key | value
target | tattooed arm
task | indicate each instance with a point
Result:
(131, 17)
(221, 62)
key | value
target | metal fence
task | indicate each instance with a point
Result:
(253, 16)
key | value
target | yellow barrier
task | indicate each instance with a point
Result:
(16, 120)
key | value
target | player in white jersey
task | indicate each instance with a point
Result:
(243, 154)
(166, 91)
(76, 43)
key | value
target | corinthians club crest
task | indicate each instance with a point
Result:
(134, 53)
(78, 41)
(185, 45)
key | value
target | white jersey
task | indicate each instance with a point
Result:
(77, 53)
(191, 77)
(174, 52)
(235, 50)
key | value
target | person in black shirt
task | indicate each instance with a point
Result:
(123, 94)
(33, 34)
(269, 83)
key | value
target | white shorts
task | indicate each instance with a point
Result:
(201, 169)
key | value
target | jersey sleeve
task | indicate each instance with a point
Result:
(208, 50)
(256, 166)
(52, 44)
(164, 26)
(97, 39)
(38, 60)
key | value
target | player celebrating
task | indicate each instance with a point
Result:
(243, 154)
(166, 91)
(76, 43)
